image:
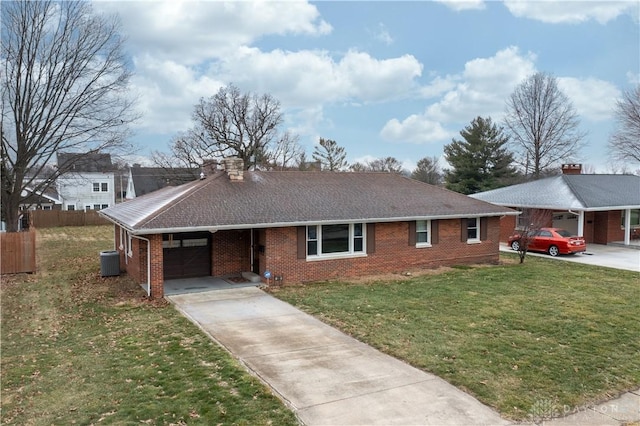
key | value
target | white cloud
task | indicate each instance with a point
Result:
(382, 34)
(633, 78)
(307, 78)
(438, 86)
(572, 12)
(593, 99)
(167, 92)
(480, 90)
(459, 5)
(183, 50)
(195, 31)
(414, 129)
(484, 85)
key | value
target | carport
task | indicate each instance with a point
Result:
(601, 208)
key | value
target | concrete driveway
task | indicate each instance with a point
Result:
(599, 255)
(325, 376)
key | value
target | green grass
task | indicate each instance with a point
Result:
(545, 333)
(78, 348)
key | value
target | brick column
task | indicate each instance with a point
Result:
(157, 271)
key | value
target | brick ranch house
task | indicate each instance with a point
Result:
(602, 208)
(300, 226)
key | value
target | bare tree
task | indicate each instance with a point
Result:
(386, 164)
(182, 154)
(624, 144)
(64, 88)
(533, 220)
(331, 156)
(232, 123)
(428, 170)
(286, 152)
(543, 124)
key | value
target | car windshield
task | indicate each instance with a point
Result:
(563, 233)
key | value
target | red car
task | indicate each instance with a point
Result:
(554, 241)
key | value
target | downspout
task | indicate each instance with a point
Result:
(251, 252)
(148, 262)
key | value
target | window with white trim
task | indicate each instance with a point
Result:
(343, 239)
(100, 187)
(473, 229)
(423, 233)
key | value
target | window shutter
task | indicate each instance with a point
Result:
(483, 228)
(302, 242)
(463, 230)
(371, 237)
(412, 233)
(434, 232)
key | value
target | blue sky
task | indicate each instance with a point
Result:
(381, 78)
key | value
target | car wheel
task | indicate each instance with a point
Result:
(515, 246)
(553, 251)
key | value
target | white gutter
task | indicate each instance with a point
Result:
(148, 262)
(569, 208)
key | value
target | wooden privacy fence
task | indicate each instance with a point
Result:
(55, 218)
(17, 252)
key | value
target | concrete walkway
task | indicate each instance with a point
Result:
(329, 378)
(325, 376)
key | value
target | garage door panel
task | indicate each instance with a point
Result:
(187, 256)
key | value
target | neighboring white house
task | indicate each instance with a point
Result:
(90, 183)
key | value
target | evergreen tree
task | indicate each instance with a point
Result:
(480, 161)
(330, 155)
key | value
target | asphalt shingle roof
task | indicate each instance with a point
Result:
(579, 192)
(89, 163)
(292, 198)
(149, 179)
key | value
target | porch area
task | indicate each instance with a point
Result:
(199, 284)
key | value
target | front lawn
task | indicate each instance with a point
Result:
(81, 349)
(545, 335)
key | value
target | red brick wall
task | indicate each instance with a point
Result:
(230, 252)
(157, 264)
(507, 227)
(392, 253)
(589, 228)
(613, 226)
(136, 265)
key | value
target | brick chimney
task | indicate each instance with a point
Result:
(571, 169)
(234, 167)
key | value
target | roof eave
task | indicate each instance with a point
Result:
(567, 208)
(177, 230)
